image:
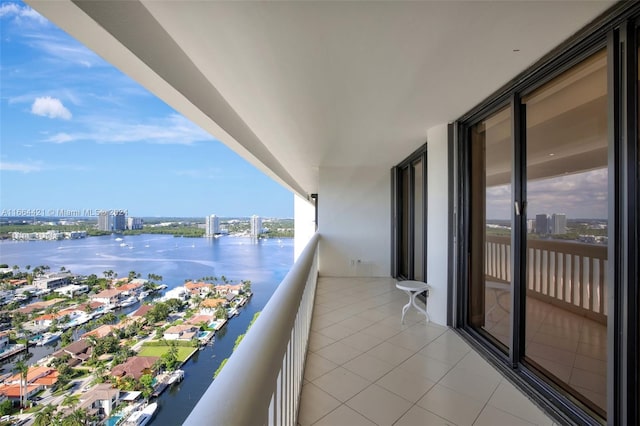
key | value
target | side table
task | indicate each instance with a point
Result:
(413, 289)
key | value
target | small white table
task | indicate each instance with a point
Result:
(413, 289)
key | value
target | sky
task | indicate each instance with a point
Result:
(77, 134)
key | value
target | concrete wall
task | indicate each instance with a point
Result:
(354, 221)
(304, 214)
(437, 233)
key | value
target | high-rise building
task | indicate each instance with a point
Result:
(542, 224)
(558, 223)
(211, 225)
(256, 226)
(103, 221)
(135, 223)
(112, 221)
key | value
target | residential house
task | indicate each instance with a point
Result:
(135, 367)
(79, 351)
(225, 289)
(72, 290)
(53, 280)
(181, 332)
(108, 297)
(200, 319)
(141, 311)
(208, 306)
(199, 289)
(100, 399)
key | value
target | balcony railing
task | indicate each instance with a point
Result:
(566, 274)
(262, 381)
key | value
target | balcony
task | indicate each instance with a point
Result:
(332, 351)
(365, 368)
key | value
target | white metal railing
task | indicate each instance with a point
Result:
(567, 274)
(262, 381)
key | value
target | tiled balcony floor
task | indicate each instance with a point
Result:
(365, 368)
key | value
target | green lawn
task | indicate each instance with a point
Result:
(183, 352)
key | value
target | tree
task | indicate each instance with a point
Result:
(146, 383)
(71, 400)
(79, 417)
(45, 416)
(5, 407)
(23, 369)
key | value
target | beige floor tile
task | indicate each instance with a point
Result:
(344, 416)
(357, 323)
(369, 367)
(338, 352)
(405, 384)
(361, 341)
(426, 367)
(451, 405)
(417, 416)
(379, 405)
(408, 340)
(318, 341)
(449, 353)
(474, 362)
(380, 330)
(341, 383)
(316, 366)
(315, 404)
(509, 399)
(466, 382)
(336, 331)
(390, 353)
(491, 416)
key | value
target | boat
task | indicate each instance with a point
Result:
(142, 417)
(123, 244)
(118, 239)
(48, 338)
(143, 294)
(128, 301)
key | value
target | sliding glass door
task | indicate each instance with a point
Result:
(410, 217)
(538, 172)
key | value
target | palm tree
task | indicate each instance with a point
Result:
(45, 416)
(23, 369)
(71, 400)
(79, 417)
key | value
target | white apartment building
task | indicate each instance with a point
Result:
(211, 225)
(256, 225)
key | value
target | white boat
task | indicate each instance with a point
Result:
(123, 244)
(48, 338)
(142, 417)
(118, 239)
(128, 301)
(143, 295)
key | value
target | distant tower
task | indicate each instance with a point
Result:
(103, 221)
(542, 224)
(559, 223)
(211, 225)
(256, 226)
(119, 221)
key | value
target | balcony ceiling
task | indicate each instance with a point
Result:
(296, 86)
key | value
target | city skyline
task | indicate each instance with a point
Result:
(77, 134)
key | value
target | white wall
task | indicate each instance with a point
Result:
(304, 214)
(354, 221)
(438, 214)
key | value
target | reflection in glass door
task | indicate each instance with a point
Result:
(566, 244)
(490, 272)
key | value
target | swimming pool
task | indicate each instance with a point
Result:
(113, 420)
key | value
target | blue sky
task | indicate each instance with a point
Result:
(77, 134)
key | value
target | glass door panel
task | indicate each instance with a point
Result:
(419, 220)
(490, 257)
(566, 245)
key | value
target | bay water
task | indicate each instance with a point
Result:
(176, 259)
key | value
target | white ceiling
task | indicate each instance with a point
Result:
(298, 86)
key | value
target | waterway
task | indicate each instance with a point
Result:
(176, 259)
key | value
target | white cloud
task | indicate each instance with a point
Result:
(14, 10)
(172, 130)
(20, 167)
(50, 107)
